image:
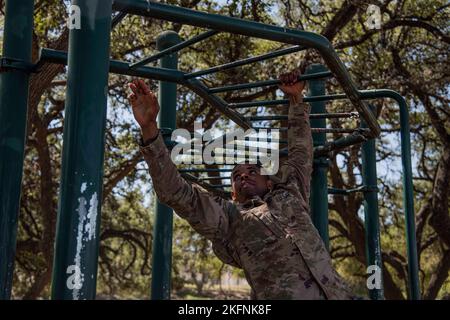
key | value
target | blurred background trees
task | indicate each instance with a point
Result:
(408, 53)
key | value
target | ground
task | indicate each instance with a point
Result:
(190, 293)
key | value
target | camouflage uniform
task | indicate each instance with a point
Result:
(272, 239)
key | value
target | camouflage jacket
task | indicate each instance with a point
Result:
(272, 239)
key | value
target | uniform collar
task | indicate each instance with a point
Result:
(256, 201)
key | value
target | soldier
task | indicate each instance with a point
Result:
(266, 230)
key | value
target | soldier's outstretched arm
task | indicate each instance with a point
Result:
(205, 213)
(300, 145)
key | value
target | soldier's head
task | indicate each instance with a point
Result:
(247, 182)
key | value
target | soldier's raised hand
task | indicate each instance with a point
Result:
(145, 108)
(290, 84)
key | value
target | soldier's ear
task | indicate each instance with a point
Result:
(233, 193)
(269, 184)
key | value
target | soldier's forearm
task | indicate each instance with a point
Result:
(299, 134)
(167, 181)
(295, 99)
(204, 212)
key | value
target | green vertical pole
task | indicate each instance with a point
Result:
(319, 183)
(13, 113)
(78, 225)
(371, 215)
(162, 239)
(408, 203)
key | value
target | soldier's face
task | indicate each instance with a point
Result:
(247, 182)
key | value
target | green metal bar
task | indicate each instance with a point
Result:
(268, 140)
(319, 185)
(200, 170)
(119, 67)
(345, 192)
(13, 116)
(213, 178)
(79, 210)
(259, 30)
(340, 143)
(248, 138)
(207, 186)
(117, 19)
(174, 48)
(322, 130)
(337, 191)
(243, 62)
(340, 130)
(371, 214)
(162, 239)
(7, 63)
(267, 83)
(408, 202)
(260, 103)
(269, 128)
(285, 102)
(311, 116)
(199, 88)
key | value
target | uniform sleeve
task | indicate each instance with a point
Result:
(298, 168)
(204, 212)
